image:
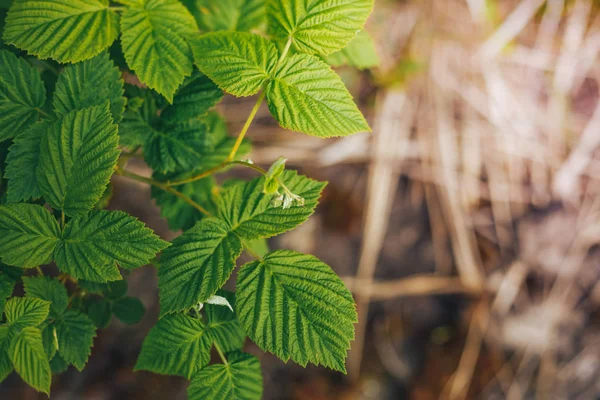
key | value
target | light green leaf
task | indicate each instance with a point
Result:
(77, 158)
(50, 340)
(195, 97)
(22, 95)
(28, 235)
(49, 289)
(249, 211)
(129, 310)
(222, 324)
(197, 264)
(99, 312)
(22, 163)
(178, 213)
(6, 366)
(295, 306)
(305, 95)
(178, 149)
(154, 43)
(65, 30)
(176, 345)
(240, 379)
(227, 15)
(23, 311)
(317, 26)
(93, 245)
(75, 334)
(90, 83)
(27, 354)
(359, 53)
(239, 63)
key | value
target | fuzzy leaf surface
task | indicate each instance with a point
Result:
(238, 62)
(176, 345)
(68, 31)
(306, 95)
(28, 235)
(197, 265)
(249, 211)
(295, 306)
(240, 379)
(75, 334)
(24, 311)
(154, 43)
(90, 83)
(22, 95)
(228, 15)
(77, 158)
(92, 246)
(317, 26)
(27, 354)
(22, 163)
(49, 289)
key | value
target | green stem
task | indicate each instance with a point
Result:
(164, 187)
(43, 113)
(288, 44)
(249, 120)
(213, 170)
(62, 219)
(221, 354)
(39, 271)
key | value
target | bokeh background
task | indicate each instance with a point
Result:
(466, 224)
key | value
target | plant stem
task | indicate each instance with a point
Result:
(213, 170)
(39, 271)
(164, 187)
(288, 44)
(62, 219)
(221, 354)
(43, 113)
(249, 120)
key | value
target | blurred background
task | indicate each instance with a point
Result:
(466, 224)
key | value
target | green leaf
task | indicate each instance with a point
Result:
(23, 311)
(111, 290)
(77, 158)
(154, 43)
(99, 312)
(195, 97)
(129, 310)
(139, 118)
(178, 213)
(223, 326)
(239, 63)
(305, 95)
(22, 95)
(93, 245)
(259, 246)
(22, 163)
(68, 31)
(178, 149)
(176, 345)
(49, 289)
(249, 211)
(240, 379)
(197, 264)
(90, 83)
(27, 354)
(6, 366)
(28, 235)
(58, 365)
(227, 15)
(75, 334)
(295, 306)
(50, 340)
(317, 26)
(7, 285)
(359, 53)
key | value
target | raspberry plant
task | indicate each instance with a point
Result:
(68, 123)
